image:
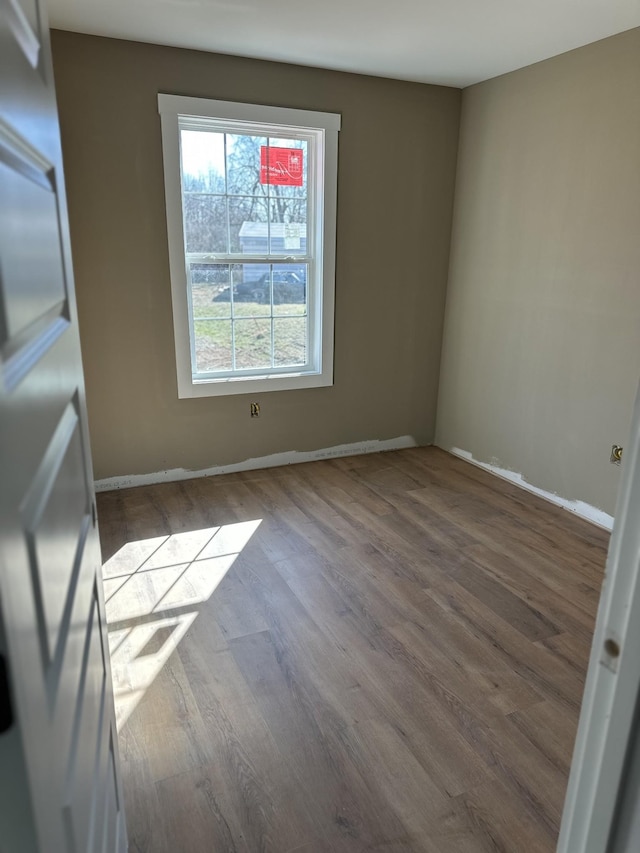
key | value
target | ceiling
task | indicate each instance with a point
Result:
(451, 42)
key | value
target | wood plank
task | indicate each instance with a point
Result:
(249, 782)
(478, 676)
(548, 675)
(548, 732)
(314, 737)
(499, 823)
(145, 816)
(550, 594)
(433, 821)
(402, 686)
(167, 730)
(530, 621)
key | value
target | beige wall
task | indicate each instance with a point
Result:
(542, 334)
(395, 195)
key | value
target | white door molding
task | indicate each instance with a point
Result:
(605, 730)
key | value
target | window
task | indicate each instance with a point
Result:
(251, 204)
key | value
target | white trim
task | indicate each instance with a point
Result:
(580, 508)
(209, 108)
(605, 731)
(254, 384)
(321, 131)
(292, 457)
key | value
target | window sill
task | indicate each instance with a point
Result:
(252, 384)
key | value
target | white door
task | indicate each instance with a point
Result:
(59, 782)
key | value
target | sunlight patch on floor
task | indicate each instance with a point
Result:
(147, 583)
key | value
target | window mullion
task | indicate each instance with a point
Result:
(233, 344)
(232, 306)
(269, 197)
(273, 341)
(217, 258)
(192, 325)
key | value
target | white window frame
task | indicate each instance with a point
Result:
(321, 241)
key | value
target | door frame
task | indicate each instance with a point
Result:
(606, 730)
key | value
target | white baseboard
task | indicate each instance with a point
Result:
(584, 510)
(291, 457)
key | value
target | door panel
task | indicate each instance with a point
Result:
(86, 747)
(33, 290)
(23, 19)
(56, 512)
(33, 275)
(60, 756)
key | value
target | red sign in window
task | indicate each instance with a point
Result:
(281, 166)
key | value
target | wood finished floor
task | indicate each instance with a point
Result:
(392, 660)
